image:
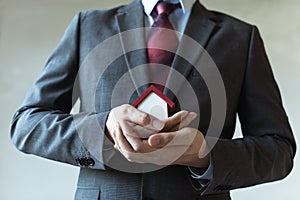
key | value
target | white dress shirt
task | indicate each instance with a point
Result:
(178, 17)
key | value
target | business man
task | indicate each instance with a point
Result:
(115, 144)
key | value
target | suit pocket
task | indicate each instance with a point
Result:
(87, 194)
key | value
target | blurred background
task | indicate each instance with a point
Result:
(30, 30)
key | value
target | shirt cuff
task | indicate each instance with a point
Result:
(108, 150)
(203, 175)
(106, 146)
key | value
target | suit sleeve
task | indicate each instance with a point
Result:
(266, 151)
(43, 125)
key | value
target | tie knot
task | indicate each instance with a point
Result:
(166, 8)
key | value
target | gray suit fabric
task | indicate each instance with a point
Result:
(43, 126)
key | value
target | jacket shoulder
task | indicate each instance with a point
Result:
(107, 14)
(226, 20)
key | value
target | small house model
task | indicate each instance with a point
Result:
(155, 103)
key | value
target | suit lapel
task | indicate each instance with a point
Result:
(128, 18)
(199, 27)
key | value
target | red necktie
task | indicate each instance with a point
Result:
(166, 39)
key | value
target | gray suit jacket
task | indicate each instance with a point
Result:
(43, 125)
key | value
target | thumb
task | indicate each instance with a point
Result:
(161, 139)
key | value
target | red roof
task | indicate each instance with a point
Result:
(152, 88)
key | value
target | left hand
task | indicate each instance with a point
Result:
(186, 146)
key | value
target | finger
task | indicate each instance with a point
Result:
(134, 142)
(125, 149)
(161, 139)
(132, 137)
(138, 117)
(175, 126)
(135, 131)
(127, 128)
(145, 148)
(143, 132)
(183, 137)
(175, 120)
(179, 120)
(186, 121)
(138, 131)
(121, 142)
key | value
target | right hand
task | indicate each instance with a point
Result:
(135, 125)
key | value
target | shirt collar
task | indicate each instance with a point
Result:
(150, 4)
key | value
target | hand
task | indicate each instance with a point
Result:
(189, 140)
(183, 147)
(135, 124)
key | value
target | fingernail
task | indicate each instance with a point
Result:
(194, 115)
(156, 141)
(185, 113)
(158, 124)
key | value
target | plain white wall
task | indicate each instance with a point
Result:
(29, 31)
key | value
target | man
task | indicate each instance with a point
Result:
(116, 145)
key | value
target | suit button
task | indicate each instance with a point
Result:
(79, 161)
(90, 162)
(85, 162)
